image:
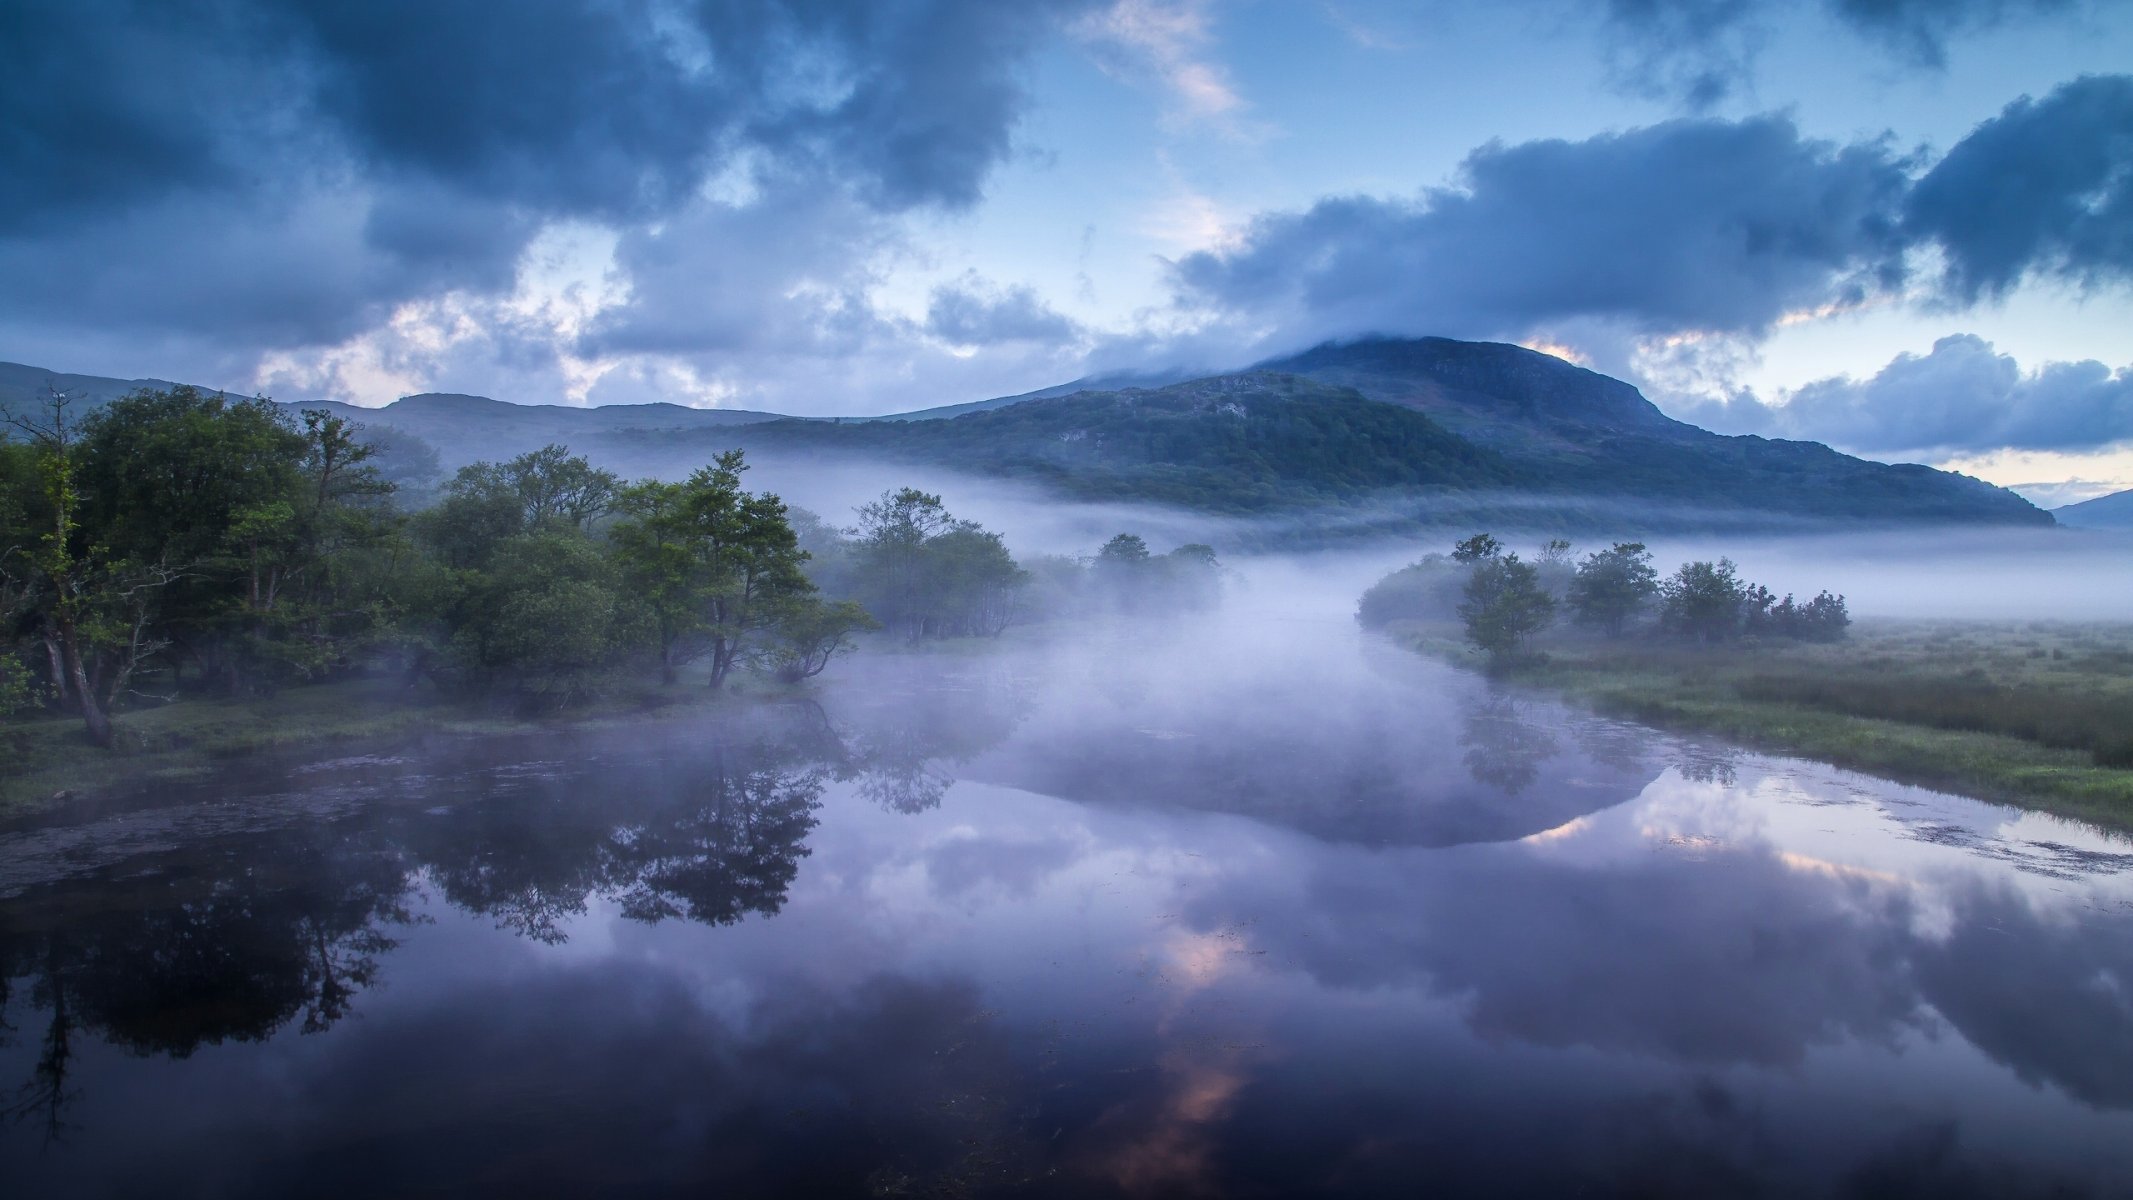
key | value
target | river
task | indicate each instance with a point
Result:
(1252, 904)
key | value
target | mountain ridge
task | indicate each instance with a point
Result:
(1292, 432)
(2114, 511)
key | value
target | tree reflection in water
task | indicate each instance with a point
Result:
(188, 953)
(712, 834)
(1503, 749)
(235, 939)
(900, 747)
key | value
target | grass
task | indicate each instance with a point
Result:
(2038, 714)
(45, 761)
(48, 760)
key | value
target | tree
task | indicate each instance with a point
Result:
(1612, 586)
(716, 567)
(92, 609)
(1703, 600)
(810, 633)
(1475, 549)
(544, 621)
(892, 533)
(926, 574)
(1504, 605)
(1124, 551)
(487, 502)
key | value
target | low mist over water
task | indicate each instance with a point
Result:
(1242, 903)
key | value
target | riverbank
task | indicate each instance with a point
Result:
(49, 760)
(2036, 714)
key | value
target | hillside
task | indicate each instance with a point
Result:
(1425, 429)
(2114, 511)
(462, 428)
(1235, 443)
(1570, 430)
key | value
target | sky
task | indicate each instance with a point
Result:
(1902, 227)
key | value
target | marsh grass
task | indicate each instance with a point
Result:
(50, 760)
(2032, 713)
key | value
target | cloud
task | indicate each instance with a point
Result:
(1700, 51)
(971, 312)
(1963, 397)
(242, 177)
(1167, 39)
(1692, 224)
(1918, 31)
(1704, 51)
(2045, 188)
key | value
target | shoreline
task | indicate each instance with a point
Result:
(1700, 690)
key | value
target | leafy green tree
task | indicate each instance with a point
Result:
(486, 503)
(1703, 600)
(94, 609)
(1612, 586)
(546, 621)
(925, 574)
(717, 567)
(972, 581)
(1125, 551)
(810, 633)
(1476, 549)
(892, 536)
(1504, 605)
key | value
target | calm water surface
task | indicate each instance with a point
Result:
(1252, 906)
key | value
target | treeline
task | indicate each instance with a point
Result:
(1504, 601)
(177, 543)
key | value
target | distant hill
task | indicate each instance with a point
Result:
(1568, 429)
(1492, 432)
(463, 428)
(2114, 511)
(1114, 381)
(1250, 442)
(22, 387)
(1422, 429)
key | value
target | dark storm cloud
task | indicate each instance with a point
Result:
(971, 312)
(1962, 397)
(198, 145)
(1691, 224)
(2044, 188)
(1699, 225)
(1919, 30)
(1703, 51)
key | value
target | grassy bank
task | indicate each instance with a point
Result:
(2031, 713)
(49, 759)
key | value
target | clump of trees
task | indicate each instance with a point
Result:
(180, 542)
(919, 570)
(1124, 576)
(1504, 602)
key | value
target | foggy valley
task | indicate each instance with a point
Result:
(1118, 598)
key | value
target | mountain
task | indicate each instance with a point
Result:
(2114, 511)
(462, 428)
(1256, 441)
(1485, 432)
(1398, 431)
(1109, 382)
(22, 387)
(1569, 429)
(467, 428)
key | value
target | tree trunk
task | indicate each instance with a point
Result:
(61, 686)
(93, 717)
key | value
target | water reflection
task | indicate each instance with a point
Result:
(965, 929)
(193, 950)
(1503, 748)
(712, 833)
